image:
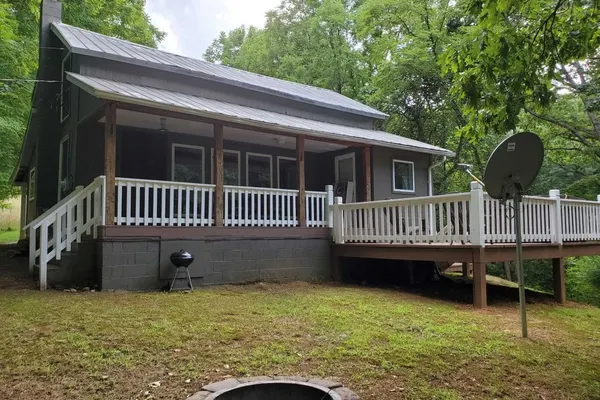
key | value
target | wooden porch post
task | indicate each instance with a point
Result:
(301, 181)
(558, 274)
(367, 172)
(110, 159)
(218, 167)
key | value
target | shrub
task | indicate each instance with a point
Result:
(583, 280)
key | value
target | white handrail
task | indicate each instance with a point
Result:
(144, 202)
(473, 218)
(36, 222)
(58, 228)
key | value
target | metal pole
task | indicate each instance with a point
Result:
(517, 203)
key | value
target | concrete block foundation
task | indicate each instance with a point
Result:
(143, 263)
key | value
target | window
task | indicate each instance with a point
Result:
(231, 167)
(345, 170)
(65, 89)
(63, 168)
(286, 173)
(31, 190)
(187, 164)
(403, 176)
(258, 170)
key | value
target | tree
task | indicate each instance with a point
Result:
(19, 29)
(521, 57)
(306, 41)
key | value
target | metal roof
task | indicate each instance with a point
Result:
(188, 104)
(81, 41)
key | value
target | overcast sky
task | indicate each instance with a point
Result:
(191, 25)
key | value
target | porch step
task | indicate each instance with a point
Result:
(61, 272)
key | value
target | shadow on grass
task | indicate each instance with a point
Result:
(396, 274)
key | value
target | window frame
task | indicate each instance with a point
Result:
(212, 164)
(31, 188)
(187, 146)
(412, 164)
(270, 157)
(344, 157)
(278, 170)
(67, 139)
(63, 82)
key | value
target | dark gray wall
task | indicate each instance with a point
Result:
(382, 172)
(145, 265)
(205, 88)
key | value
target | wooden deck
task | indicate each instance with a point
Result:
(476, 255)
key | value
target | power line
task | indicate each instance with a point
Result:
(27, 80)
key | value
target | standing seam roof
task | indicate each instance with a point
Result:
(86, 42)
(185, 103)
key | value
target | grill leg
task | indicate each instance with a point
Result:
(187, 270)
(174, 279)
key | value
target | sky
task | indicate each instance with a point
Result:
(192, 25)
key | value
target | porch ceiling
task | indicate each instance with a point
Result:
(152, 123)
(247, 116)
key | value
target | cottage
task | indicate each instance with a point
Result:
(151, 152)
(132, 153)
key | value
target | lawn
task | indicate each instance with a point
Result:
(11, 236)
(384, 344)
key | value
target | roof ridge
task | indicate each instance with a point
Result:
(207, 62)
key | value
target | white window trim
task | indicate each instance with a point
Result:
(60, 156)
(188, 146)
(279, 158)
(212, 164)
(270, 157)
(344, 157)
(62, 90)
(30, 192)
(394, 190)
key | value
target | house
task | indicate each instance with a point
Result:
(133, 153)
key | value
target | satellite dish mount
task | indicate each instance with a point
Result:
(511, 170)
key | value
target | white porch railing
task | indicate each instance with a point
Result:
(161, 203)
(472, 218)
(142, 202)
(58, 228)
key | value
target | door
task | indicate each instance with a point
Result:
(345, 177)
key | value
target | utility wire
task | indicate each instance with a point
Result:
(26, 80)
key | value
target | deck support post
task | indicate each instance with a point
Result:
(367, 172)
(465, 270)
(218, 168)
(301, 181)
(110, 160)
(479, 285)
(558, 275)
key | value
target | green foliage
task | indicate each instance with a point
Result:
(516, 53)
(305, 41)
(583, 280)
(19, 33)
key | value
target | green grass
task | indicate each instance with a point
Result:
(383, 344)
(10, 236)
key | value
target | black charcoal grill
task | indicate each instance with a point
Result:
(182, 259)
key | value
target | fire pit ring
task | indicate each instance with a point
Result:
(264, 387)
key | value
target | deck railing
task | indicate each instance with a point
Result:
(473, 218)
(141, 202)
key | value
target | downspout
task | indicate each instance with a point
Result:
(430, 175)
(430, 189)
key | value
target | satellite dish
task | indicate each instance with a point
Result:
(514, 165)
(511, 169)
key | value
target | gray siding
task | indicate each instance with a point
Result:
(112, 70)
(382, 159)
